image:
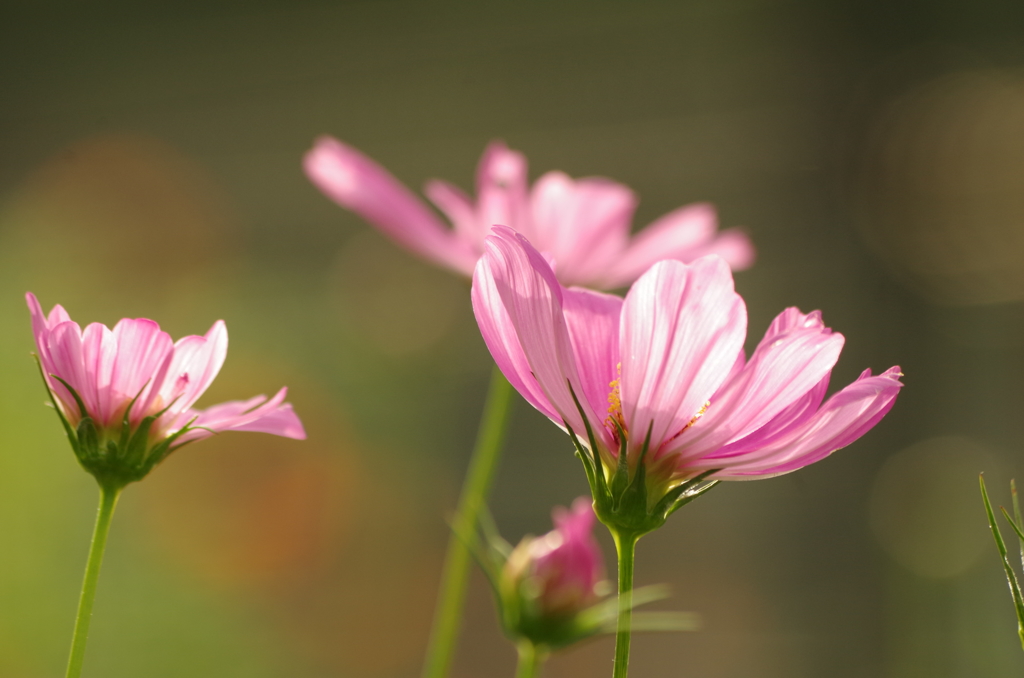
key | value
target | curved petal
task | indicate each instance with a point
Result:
(501, 190)
(136, 351)
(781, 425)
(459, 209)
(64, 346)
(844, 418)
(790, 362)
(500, 336)
(734, 245)
(357, 183)
(257, 415)
(583, 224)
(682, 328)
(195, 363)
(685, 234)
(41, 328)
(532, 298)
(99, 353)
(592, 319)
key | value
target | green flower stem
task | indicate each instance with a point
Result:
(108, 500)
(625, 546)
(530, 660)
(475, 490)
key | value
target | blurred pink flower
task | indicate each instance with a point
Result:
(667, 364)
(581, 225)
(563, 567)
(136, 374)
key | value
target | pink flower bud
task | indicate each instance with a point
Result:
(558, 574)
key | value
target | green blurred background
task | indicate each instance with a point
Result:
(150, 166)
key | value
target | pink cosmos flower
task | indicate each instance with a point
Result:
(582, 225)
(662, 374)
(564, 567)
(126, 394)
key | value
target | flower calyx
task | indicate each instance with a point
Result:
(626, 500)
(118, 455)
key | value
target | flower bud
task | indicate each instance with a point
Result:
(551, 579)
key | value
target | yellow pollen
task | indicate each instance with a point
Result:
(693, 420)
(700, 413)
(615, 403)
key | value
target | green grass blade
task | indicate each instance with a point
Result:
(1011, 578)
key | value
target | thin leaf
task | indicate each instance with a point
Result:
(661, 621)
(1011, 578)
(1016, 515)
(598, 614)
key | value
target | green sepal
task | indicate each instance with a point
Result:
(114, 458)
(74, 394)
(694, 490)
(88, 440)
(60, 413)
(620, 481)
(623, 503)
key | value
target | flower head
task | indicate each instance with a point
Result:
(656, 387)
(558, 574)
(125, 394)
(582, 225)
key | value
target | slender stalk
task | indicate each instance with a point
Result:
(475, 490)
(108, 500)
(625, 546)
(531, 658)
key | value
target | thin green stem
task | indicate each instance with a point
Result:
(625, 546)
(531, 658)
(475, 490)
(108, 500)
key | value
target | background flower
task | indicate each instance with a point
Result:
(582, 225)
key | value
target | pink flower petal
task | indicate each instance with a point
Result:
(500, 336)
(781, 424)
(64, 346)
(844, 418)
(354, 181)
(459, 209)
(592, 319)
(567, 560)
(255, 415)
(682, 327)
(531, 296)
(195, 363)
(41, 328)
(786, 365)
(99, 352)
(583, 225)
(501, 189)
(685, 234)
(135, 351)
